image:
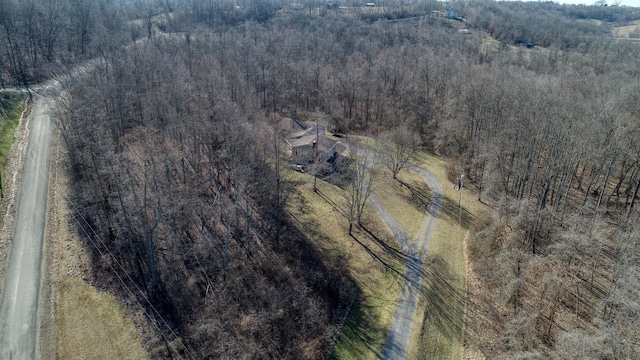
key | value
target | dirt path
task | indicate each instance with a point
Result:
(398, 338)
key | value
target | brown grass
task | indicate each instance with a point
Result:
(79, 322)
(93, 325)
(13, 123)
(624, 31)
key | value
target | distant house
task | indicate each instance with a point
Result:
(450, 14)
(528, 44)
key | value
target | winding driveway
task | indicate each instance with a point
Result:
(398, 339)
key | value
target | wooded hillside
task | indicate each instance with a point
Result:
(175, 165)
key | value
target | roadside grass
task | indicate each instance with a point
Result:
(11, 108)
(93, 325)
(371, 259)
(441, 306)
(79, 322)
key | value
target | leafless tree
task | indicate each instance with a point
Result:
(362, 175)
(400, 146)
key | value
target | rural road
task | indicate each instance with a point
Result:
(398, 339)
(19, 308)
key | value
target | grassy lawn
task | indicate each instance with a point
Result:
(93, 325)
(321, 217)
(407, 206)
(10, 110)
(438, 333)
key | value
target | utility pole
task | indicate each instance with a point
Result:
(315, 176)
(460, 199)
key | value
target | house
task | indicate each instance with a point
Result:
(310, 149)
(308, 144)
(450, 14)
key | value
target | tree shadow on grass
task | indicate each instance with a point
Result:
(333, 204)
(421, 198)
(444, 305)
(362, 329)
(444, 298)
(450, 211)
(420, 195)
(390, 250)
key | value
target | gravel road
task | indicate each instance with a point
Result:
(398, 339)
(19, 307)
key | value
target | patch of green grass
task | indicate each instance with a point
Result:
(438, 333)
(11, 107)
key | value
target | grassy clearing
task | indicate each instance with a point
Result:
(439, 333)
(93, 325)
(625, 31)
(10, 110)
(321, 217)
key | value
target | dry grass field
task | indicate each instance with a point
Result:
(625, 31)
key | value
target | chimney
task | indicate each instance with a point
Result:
(314, 151)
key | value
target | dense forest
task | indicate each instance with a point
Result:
(175, 158)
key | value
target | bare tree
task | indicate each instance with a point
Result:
(363, 175)
(400, 145)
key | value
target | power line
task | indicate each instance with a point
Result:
(155, 311)
(130, 279)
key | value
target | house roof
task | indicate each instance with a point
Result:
(289, 125)
(306, 132)
(324, 143)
